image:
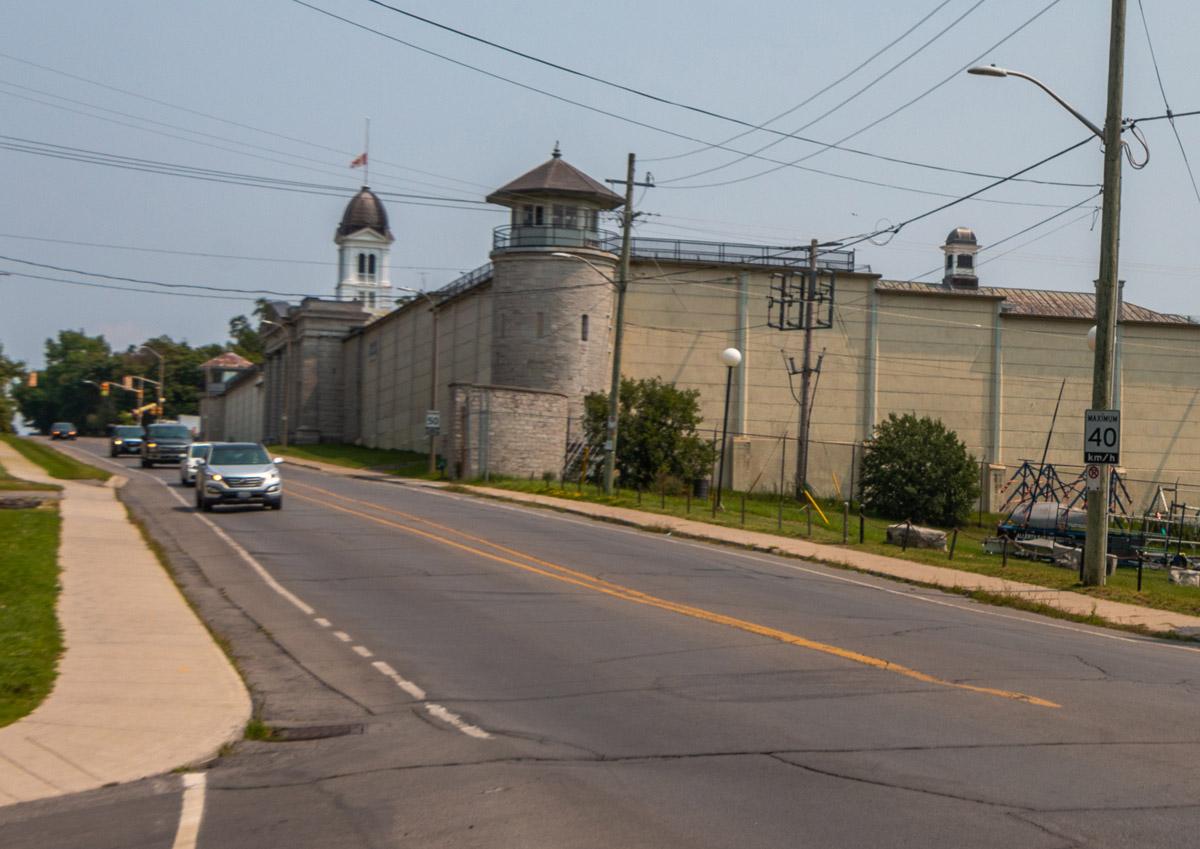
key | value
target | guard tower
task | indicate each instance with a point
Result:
(960, 250)
(553, 289)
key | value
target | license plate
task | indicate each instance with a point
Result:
(243, 495)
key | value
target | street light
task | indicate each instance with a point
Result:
(730, 358)
(287, 380)
(614, 391)
(162, 389)
(433, 378)
(1095, 554)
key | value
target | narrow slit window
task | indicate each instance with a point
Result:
(583, 329)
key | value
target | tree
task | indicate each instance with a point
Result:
(9, 372)
(657, 431)
(181, 372)
(62, 394)
(918, 469)
(244, 339)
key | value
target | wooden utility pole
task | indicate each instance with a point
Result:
(1096, 544)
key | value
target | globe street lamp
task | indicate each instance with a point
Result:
(730, 358)
(1096, 539)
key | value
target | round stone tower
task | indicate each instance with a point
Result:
(552, 283)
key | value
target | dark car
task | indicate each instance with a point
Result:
(62, 430)
(165, 442)
(125, 439)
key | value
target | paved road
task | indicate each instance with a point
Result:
(524, 678)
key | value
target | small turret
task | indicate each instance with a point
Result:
(960, 250)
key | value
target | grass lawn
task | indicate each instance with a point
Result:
(402, 463)
(56, 464)
(30, 641)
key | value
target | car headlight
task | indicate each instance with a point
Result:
(216, 477)
(116, 442)
(151, 444)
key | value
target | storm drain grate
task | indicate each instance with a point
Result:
(314, 732)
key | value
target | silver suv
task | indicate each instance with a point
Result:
(238, 473)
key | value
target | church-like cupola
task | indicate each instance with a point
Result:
(960, 250)
(364, 244)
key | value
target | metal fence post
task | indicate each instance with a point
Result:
(845, 520)
(953, 542)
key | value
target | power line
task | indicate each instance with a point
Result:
(844, 102)
(837, 145)
(121, 279)
(637, 123)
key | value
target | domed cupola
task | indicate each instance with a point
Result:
(364, 212)
(364, 243)
(960, 249)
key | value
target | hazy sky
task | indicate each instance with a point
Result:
(106, 106)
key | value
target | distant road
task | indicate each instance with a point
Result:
(524, 678)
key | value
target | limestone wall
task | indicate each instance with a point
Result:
(504, 430)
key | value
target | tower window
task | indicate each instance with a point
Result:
(566, 216)
(362, 266)
(370, 266)
(949, 263)
(583, 329)
(966, 261)
(541, 318)
(589, 219)
(533, 215)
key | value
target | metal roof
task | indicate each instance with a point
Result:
(364, 212)
(556, 177)
(1037, 303)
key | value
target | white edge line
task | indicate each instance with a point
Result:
(403, 683)
(192, 811)
(245, 555)
(457, 721)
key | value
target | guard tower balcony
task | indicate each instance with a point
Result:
(526, 236)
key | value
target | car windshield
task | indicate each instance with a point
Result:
(199, 449)
(170, 432)
(129, 430)
(63, 425)
(238, 455)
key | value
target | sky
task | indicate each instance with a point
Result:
(166, 164)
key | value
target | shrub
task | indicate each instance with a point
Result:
(918, 469)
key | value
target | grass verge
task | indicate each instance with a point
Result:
(56, 464)
(409, 464)
(30, 638)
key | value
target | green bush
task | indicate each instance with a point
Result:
(656, 432)
(918, 469)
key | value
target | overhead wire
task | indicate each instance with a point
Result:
(643, 124)
(837, 145)
(1166, 103)
(845, 102)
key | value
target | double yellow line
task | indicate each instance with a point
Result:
(570, 576)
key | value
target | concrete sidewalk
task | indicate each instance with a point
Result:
(141, 688)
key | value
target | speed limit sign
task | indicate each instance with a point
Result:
(1102, 436)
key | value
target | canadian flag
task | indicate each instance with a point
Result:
(359, 160)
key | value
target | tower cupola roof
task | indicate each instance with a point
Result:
(364, 212)
(556, 178)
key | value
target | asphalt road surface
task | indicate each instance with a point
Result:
(478, 674)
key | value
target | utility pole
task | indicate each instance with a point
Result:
(806, 372)
(1096, 545)
(614, 401)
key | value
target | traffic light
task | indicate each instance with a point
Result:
(32, 380)
(128, 381)
(104, 388)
